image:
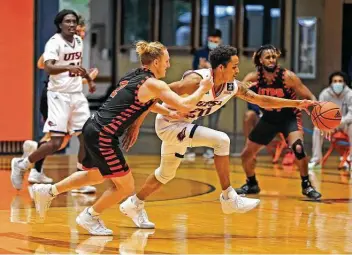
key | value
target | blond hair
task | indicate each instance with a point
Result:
(148, 51)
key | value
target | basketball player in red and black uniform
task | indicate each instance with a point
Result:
(272, 80)
(136, 95)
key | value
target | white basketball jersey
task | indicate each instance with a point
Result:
(65, 53)
(211, 102)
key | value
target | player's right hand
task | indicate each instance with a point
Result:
(207, 83)
(77, 70)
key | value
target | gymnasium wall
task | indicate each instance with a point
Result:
(16, 70)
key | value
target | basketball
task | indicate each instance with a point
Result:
(326, 116)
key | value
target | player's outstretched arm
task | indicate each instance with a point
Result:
(270, 102)
(159, 89)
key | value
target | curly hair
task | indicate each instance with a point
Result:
(258, 53)
(60, 17)
(221, 55)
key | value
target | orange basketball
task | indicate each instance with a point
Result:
(326, 116)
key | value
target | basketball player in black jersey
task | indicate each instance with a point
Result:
(272, 80)
(136, 95)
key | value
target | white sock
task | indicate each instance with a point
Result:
(136, 200)
(24, 164)
(92, 212)
(54, 190)
(229, 193)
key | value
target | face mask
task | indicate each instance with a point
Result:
(337, 87)
(212, 45)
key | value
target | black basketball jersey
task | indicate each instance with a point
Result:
(122, 107)
(276, 89)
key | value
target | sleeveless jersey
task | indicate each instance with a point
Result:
(122, 107)
(64, 53)
(276, 89)
(210, 102)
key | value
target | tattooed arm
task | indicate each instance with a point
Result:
(267, 101)
(295, 83)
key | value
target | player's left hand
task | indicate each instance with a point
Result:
(93, 73)
(305, 104)
(177, 115)
(92, 87)
(130, 137)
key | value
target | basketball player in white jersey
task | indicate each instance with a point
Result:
(36, 174)
(68, 108)
(177, 135)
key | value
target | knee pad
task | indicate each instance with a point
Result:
(222, 144)
(298, 149)
(168, 167)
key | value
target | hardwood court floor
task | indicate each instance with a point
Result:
(187, 214)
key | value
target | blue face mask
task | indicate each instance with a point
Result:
(212, 45)
(337, 87)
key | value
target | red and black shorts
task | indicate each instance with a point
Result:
(103, 152)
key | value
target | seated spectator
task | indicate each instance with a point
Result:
(339, 93)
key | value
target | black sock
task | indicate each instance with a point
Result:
(39, 164)
(252, 180)
(305, 182)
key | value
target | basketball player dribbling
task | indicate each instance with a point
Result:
(273, 80)
(36, 174)
(136, 95)
(67, 106)
(178, 135)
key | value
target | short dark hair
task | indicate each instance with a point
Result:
(215, 33)
(344, 75)
(258, 53)
(221, 55)
(60, 17)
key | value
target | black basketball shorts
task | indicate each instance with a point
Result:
(103, 152)
(265, 131)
